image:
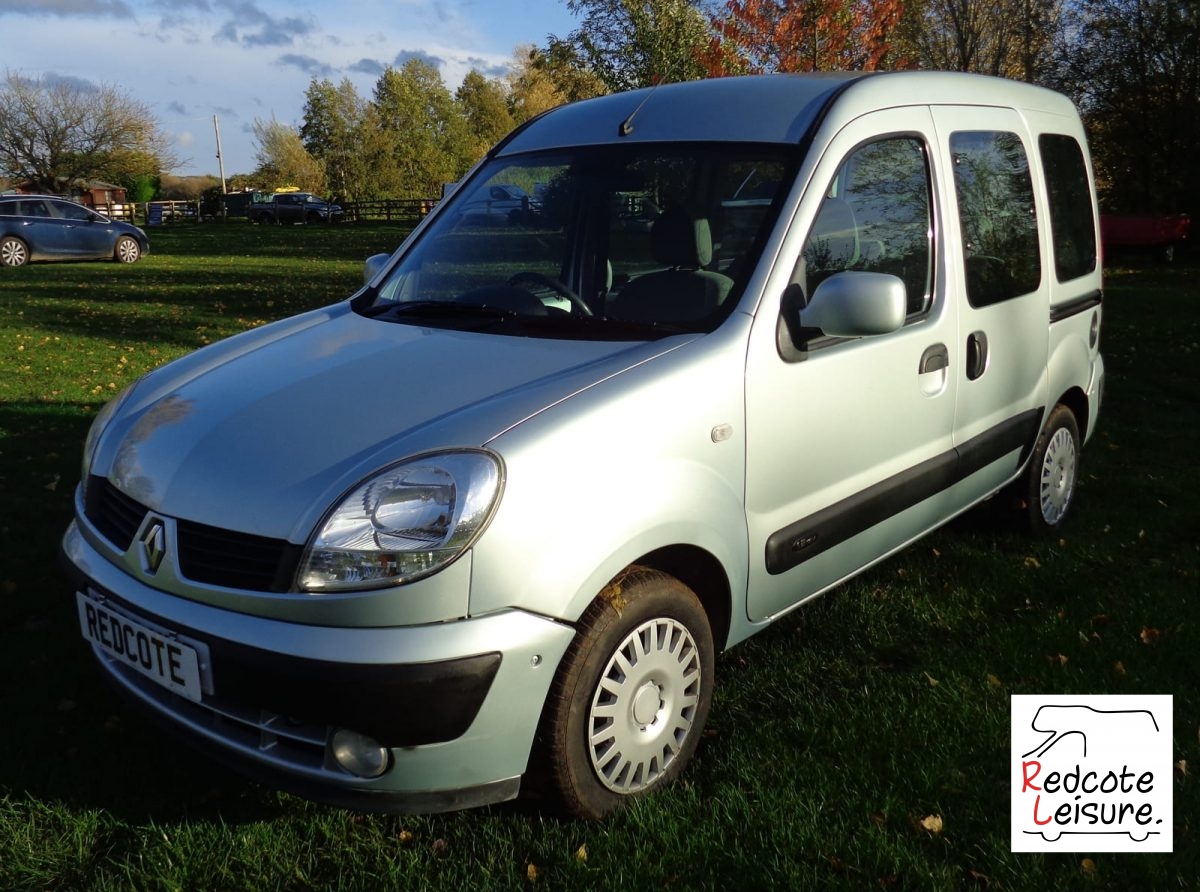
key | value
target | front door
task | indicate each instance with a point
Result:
(849, 443)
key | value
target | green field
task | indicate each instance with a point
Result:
(835, 737)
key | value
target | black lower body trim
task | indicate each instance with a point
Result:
(829, 527)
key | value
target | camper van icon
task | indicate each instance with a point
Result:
(1060, 722)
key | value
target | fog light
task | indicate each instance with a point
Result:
(357, 753)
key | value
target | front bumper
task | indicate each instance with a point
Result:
(456, 703)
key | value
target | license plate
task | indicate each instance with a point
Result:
(161, 657)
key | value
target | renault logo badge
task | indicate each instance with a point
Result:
(154, 546)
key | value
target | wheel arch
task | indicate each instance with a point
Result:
(700, 571)
(1076, 400)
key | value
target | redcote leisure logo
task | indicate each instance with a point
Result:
(1091, 773)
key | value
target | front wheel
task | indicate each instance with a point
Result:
(1052, 474)
(127, 250)
(631, 697)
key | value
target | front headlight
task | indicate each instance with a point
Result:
(407, 521)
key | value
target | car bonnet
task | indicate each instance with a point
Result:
(265, 438)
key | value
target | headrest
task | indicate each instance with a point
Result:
(678, 240)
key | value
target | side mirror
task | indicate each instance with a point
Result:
(857, 304)
(374, 264)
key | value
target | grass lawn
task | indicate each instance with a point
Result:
(834, 737)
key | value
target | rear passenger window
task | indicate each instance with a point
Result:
(1072, 223)
(875, 217)
(1002, 257)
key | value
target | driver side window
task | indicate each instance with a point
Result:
(875, 218)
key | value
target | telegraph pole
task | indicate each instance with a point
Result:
(220, 162)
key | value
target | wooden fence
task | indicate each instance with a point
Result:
(408, 211)
(391, 210)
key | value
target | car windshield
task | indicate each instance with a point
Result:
(625, 242)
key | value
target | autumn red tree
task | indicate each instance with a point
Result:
(757, 36)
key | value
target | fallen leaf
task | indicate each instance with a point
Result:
(994, 681)
(1060, 659)
(1149, 635)
(1032, 563)
(878, 818)
(1181, 768)
(1088, 866)
(933, 682)
(932, 823)
(531, 871)
(440, 847)
(581, 853)
(1119, 667)
(405, 837)
(979, 878)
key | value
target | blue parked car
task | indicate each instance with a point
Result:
(45, 227)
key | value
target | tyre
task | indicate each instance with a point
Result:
(127, 250)
(13, 251)
(1049, 486)
(631, 696)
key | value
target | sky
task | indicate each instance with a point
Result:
(242, 60)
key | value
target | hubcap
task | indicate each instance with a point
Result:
(12, 253)
(1058, 476)
(644, 705)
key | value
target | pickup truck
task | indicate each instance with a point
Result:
(294, 207)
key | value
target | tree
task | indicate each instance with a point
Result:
(1133, 67)
(429, 139)
(484, 106)
(543, 78)
(636, 43)
(337, 122)
(756, 36)
(1008, 38)
(54, 133)
(283, 159)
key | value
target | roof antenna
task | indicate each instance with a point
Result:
(626, 127)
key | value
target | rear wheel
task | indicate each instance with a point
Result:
(1053, 470)
(13, 251)
(632, 694)
(127, 250)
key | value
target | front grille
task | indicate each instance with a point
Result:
(237, 560)
(208, 555)
(113, 513)
(286, 742)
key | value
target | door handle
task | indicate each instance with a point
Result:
(934, 359)
(977, 355)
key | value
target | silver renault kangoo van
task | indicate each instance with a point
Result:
(495, 514)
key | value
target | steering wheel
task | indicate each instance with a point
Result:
(532, 277)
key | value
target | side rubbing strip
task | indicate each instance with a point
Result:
(1076, 306)
(805, 539)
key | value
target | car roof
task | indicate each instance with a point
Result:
(772, 108)
(23, 196)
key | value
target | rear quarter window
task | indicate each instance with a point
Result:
(1072, 219)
